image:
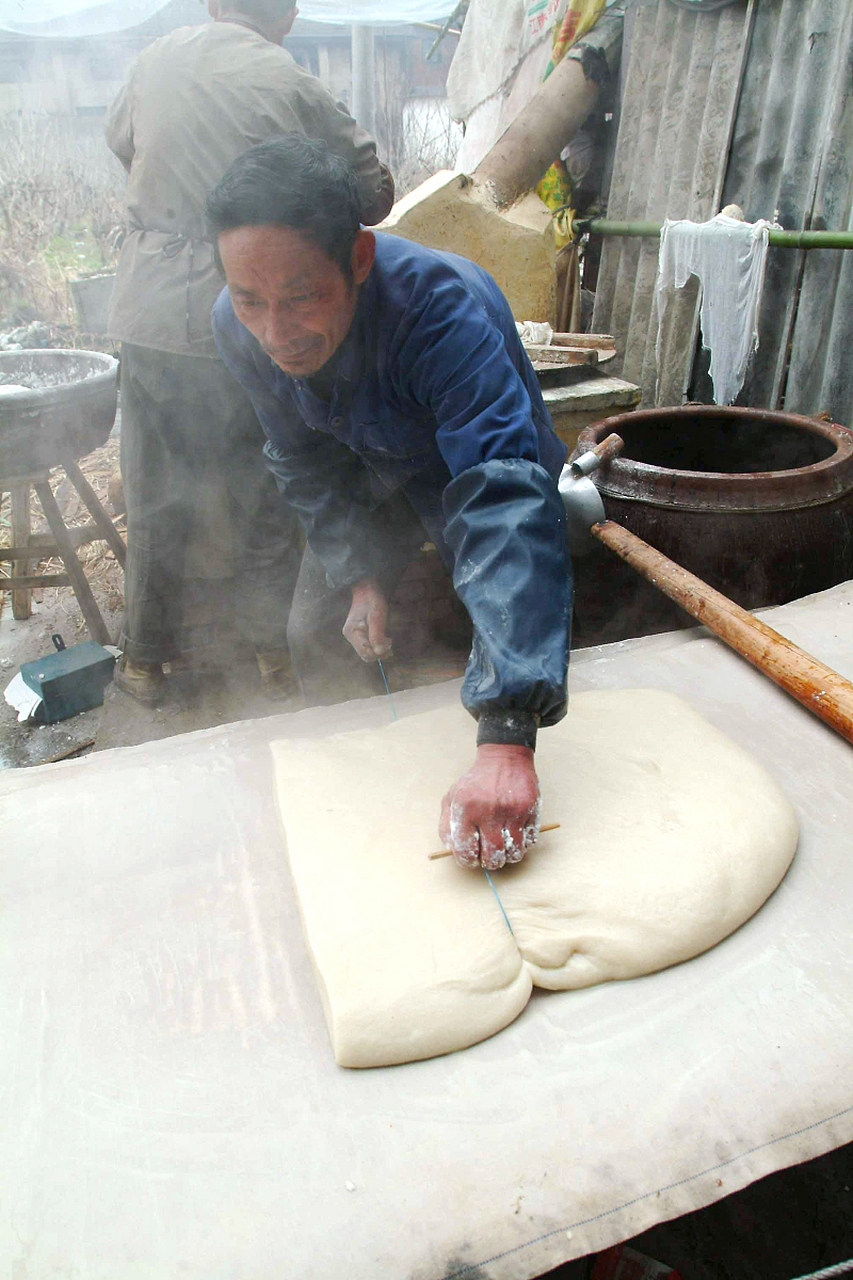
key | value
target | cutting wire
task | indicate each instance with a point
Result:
(387, 690)
(497, 895)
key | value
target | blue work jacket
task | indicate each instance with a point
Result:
(433, 395)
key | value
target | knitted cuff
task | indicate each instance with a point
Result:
(516, 728)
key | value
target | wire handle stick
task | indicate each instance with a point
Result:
(448, 853)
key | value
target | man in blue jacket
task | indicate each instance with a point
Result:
(398, 403)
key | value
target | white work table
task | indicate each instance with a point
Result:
(170, 1104)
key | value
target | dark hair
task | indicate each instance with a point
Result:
(290, 181)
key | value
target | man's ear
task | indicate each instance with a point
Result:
(213, 7)
(288, 22)
(363, 253)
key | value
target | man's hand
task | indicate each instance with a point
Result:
(365, 624)
(491, 815)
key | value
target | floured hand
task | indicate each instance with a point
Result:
(491, 815)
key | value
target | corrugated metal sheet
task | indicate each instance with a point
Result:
(784, 68)
(678, 101)
(791, 153)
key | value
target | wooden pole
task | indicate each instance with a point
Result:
(28, 581)
(107, 529)
(22, 606)
(73, 568)
(363, 75)
(818, 687)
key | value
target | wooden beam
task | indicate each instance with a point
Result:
(30, 580)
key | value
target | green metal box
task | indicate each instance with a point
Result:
(70, 680)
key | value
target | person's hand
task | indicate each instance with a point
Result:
(365, 624)
(491, 815)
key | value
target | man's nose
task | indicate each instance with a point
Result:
(281, 327)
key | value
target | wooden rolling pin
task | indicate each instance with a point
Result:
(820, 689)
(448, 853)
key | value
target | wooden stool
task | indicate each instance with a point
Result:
(24, 552)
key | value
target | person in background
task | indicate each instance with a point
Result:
(193, 101)
(399, 404)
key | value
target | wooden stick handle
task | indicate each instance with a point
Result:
(448, 853)
(609, 447)
(821, 690)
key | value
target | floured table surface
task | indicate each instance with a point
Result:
(169, 1102)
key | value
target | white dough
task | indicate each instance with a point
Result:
(671, 837)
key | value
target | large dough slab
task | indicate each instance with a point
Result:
(672, 836)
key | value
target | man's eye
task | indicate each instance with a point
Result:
(247, 303)
(304, 297)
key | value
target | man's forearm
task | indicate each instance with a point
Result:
(512, 572)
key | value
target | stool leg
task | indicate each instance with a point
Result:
(73, 567)
(22, 601)
(99, 515)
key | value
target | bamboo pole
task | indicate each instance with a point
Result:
(784, 239)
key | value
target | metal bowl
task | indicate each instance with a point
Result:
(66, 407)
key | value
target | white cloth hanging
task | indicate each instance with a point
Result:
(728, 257)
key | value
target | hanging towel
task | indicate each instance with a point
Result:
(729, 258)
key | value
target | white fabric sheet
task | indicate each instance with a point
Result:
(728, 257)
(168, 1102)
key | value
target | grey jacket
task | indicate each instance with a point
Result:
(194, 101)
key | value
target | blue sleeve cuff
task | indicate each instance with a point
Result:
(508, 728)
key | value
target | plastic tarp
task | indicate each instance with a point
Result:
(496, 37)
(75, 18)
(498, 66)
(169, 1103)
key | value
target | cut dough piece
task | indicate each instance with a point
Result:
(671, 837)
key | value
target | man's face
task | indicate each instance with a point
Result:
(294, 299)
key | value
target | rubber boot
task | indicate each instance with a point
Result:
(277, 674)
(144, 681)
